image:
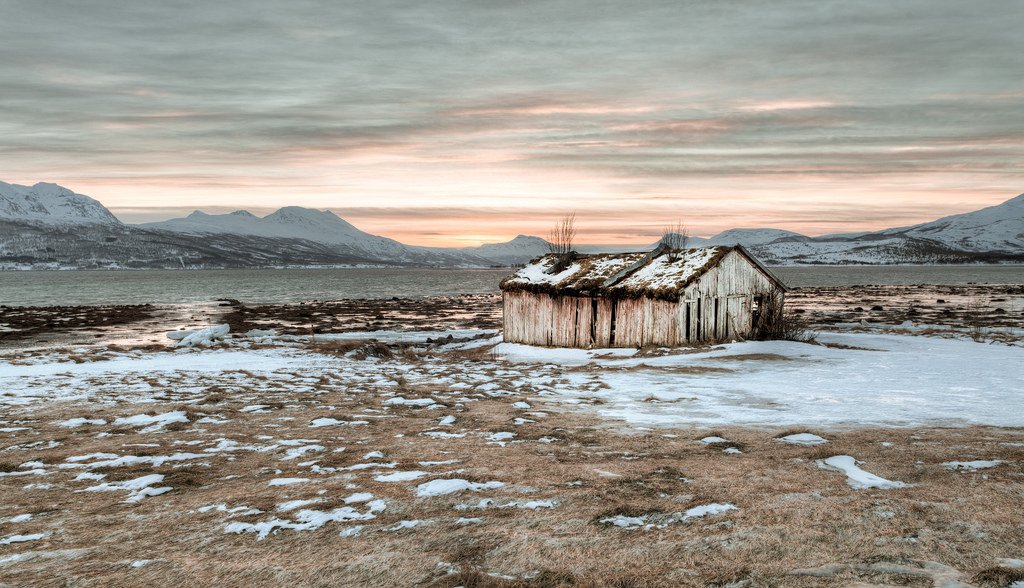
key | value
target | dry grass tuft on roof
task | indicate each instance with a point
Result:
(658, 274)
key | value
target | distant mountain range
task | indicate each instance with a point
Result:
(990, 235)
(47, 226)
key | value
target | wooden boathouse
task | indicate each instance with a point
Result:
(663, 297)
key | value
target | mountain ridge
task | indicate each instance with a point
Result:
(48, 203)
(39, 223)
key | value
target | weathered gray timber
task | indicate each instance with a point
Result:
(635, 299)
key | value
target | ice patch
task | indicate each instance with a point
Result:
(233, 511)
(501, 438)
(127, 460)
(707, 510)
(137, 488)
(401, 476)
(488, 503)
(34, 472)
(79, 422)
(153, 422)
(201, 337)
(660, 521)
(451, 486)
(972, 466)
(306, 520)
(806, 439)
(400, 401)
(351, 531)
(442, 435)
(358, 497)
(297, 452)
(12, 539)
(287, 481)
(294, 504)
(857, 478)
(437, 463)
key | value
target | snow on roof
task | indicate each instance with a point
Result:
(663, 272)
(656, 274)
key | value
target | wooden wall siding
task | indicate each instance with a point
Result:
(570, 321)
(603, 323)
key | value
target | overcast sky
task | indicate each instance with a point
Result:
(457, 122)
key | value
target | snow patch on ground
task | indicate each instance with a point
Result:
(857, 478)
(79, 422)
(660, 521)
(401, 476)
(328, 422)
(400, 401)
(12, 539)
(451, 486)
(972, 466)
(137, 488)
(806, 439)
(152, 422)
(488, 503)
(287, 481)
(306, 520)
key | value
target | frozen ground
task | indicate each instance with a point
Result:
(466, 461)
(850, 379)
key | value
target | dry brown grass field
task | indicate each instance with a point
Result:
(794, 524)
(566, 470)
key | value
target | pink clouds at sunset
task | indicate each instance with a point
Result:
(444, 125)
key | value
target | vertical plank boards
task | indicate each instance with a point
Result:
(572, 321)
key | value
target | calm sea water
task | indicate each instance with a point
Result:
(37, 288)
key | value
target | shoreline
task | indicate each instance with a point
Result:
(967, 307)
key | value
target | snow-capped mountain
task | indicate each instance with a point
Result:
(996, 228)
(751, 237)
(290, 222)
(993, 234)
(46, 225)
(51, 204)
(318, 226)
(521, 249)
(746, 237)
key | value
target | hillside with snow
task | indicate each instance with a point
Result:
(519, 250)
(990, 235)
(993, 234)
(49, 226)
(50, 204)
(319, 226)
(996, 228)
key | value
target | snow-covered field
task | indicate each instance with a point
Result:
(467, 461)
(849, 379)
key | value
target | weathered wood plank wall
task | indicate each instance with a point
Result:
(718, 306)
